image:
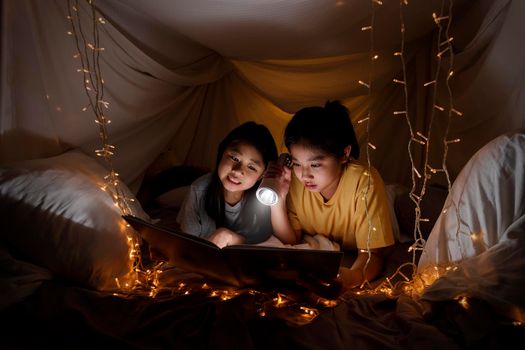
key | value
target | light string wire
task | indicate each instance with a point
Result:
(425, 140)
(400, 278)
(418, 238)
(387, 287)
(443, 48)
(452, 112)
(94, 89)
(368, 85)
(406, 279)
(138, 279)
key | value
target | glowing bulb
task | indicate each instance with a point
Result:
(267, 193)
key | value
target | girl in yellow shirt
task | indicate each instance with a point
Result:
(330, 193)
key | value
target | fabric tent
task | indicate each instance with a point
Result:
(178, 75)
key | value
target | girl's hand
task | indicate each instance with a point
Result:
(223, 237)
(350, 278)
(282, 175)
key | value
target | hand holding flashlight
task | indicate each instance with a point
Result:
(276, 181)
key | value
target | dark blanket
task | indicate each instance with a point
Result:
(61, 316)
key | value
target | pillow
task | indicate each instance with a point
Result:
(173, 198)
(482, 230)
(175, 177)
(486, 198)
(55, 215)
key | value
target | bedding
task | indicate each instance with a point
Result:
(56, 221)
(481, 230)
(72, 307)
(61, 315)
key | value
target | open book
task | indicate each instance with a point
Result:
(238, 265)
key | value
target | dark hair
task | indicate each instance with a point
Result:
(328, 128)
(253, 134)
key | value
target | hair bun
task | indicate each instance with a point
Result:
(336, 107)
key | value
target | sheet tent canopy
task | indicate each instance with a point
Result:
(442, 94)
(179, 74)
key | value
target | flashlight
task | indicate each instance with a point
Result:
(267, 191)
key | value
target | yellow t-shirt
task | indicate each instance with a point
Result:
(344, 218)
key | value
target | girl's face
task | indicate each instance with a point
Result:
(318, 170)
(240, 167)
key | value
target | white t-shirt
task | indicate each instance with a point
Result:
(248, 218)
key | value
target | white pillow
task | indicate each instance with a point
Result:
(486, 198)
(482, 230)
(55, 215)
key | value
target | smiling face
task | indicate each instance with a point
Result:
(318, 170)
(240, 167)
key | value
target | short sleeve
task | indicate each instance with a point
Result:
(192, 216)
(188, 217)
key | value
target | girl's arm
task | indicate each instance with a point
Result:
(353, 277)
(282, 228)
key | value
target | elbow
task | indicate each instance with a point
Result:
(287, 237)
(289, 240)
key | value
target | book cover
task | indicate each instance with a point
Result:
(238, 265)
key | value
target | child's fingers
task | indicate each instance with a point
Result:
(287, 173)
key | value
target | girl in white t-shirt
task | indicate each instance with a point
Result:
(221, 205)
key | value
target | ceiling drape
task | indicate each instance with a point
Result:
(180, 74)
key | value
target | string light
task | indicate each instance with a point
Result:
(419, 281)
(144, 280)
(93, 86)
(373, 58)
(452, 141)
(444, 47)
(422, 136)
(415, 284)
(456, 112)
(364, 84)
(418, 141)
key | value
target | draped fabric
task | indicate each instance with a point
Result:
(482, 230)
(180, 74)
